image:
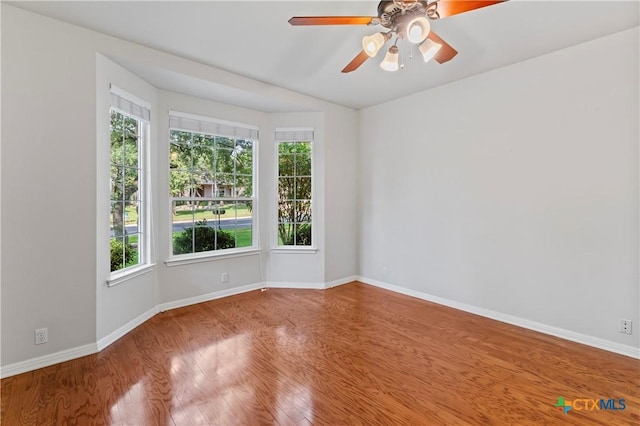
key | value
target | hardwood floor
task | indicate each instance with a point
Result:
(354, 354)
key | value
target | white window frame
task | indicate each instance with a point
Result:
(209, 126)
(288, 135)
(139, 110)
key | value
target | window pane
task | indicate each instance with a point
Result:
(303, 211)
(225, 143)
(225, 182)
(219, 170)
(130, 184)
(244, 224)
(285, 234)
(180, 137)
(179, 157)
(204, 237)
(131, 217)
(125, 171)
(303, 188)
(131, 152)
(286, 148)
(117, 254)
(303, 165)
(243, 156)
(117, 219)
(182, 227)
(286, 188)
(294, 193)
(223, 161)
(179, 183)
(202, 158)
(286, 213)
(132, 249)
(117, 183)
(301, 148)
(205, 212)
(199, 184)
(302, 234)
(286, 165)
(243, 186)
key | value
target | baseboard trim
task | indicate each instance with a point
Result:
(584, 339)
(294, 285)
(311, 286)
(47, 360)
(128, 327)
(162, 307)
(342, 281)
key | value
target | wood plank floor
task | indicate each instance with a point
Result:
(354, 355)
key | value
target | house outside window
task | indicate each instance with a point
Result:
(294, 187)
(211, 185)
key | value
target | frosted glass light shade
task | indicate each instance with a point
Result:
(418, 29)
(391, 59)
(428, 49)
(371, 44)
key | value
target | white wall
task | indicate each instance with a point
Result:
(286, 268)
(514, 191)
(340, 183)
(179, 282)
(116, 306)
(48, 214)
(54, 77)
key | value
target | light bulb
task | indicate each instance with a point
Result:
(429, 49)
(418, 29)
(415, 32)
(372, 44)
(390, 61)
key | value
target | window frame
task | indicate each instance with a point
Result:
(294, 135)
(195, 257)
(144, 264)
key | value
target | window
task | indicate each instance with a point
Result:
(294, 147)
(211, 184)
(129, 128)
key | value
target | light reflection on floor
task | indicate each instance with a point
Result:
(214, 383)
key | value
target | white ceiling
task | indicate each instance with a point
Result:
(253, 39)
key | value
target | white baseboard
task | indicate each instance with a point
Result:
(341, 281)
(209, 296)
(120, 332)
(296, 285)
(69, 354)
(47, 360)
(585, 339)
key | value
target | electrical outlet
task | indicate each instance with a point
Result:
(625, 326)
(42, 336)
(224, 277)
(385, 271)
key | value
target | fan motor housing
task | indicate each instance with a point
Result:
(390, 11)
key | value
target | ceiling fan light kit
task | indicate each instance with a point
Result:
(391, 60)
(374, 42)
(404, 19)
(428, 49)
(418, 29)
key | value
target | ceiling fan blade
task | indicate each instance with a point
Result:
(330, 20)
(356, 62)
(455, 7)
(446, 52)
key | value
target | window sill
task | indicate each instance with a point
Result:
(294, 249)
(120, 277)
(208, 257)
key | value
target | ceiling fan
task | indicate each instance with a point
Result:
(403, 19)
